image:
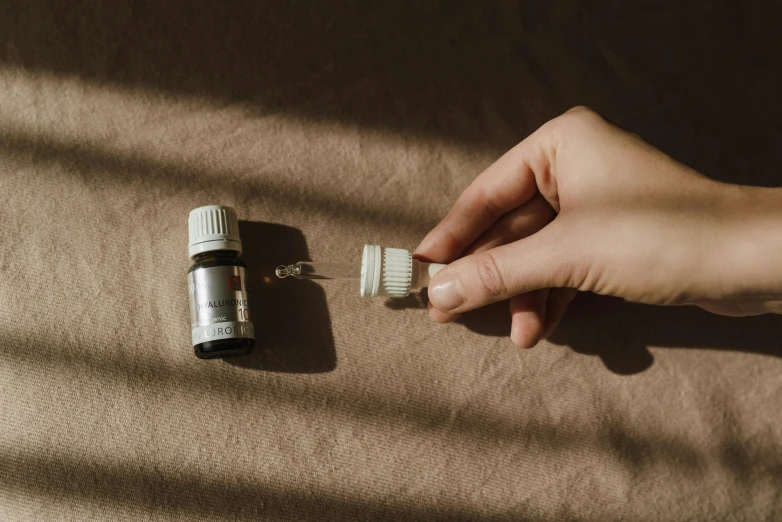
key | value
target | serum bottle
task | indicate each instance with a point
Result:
(219, 308)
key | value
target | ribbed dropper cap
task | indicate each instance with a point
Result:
(392, 272)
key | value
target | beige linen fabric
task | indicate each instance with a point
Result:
(328, 126)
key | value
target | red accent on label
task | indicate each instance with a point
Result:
(234, 283)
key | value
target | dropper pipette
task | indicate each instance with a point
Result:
(384, 272)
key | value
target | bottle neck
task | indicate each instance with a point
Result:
(214, 254)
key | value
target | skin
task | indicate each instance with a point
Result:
(581, 205)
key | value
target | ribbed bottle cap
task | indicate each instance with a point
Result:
(213, 227)
(386, 272)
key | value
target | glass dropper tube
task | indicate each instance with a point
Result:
(310, 270)
(383, 272)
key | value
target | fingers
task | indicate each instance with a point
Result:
(515, 225)
(507, 184)
(526, 309)
(528, 313)
(520, 223)
(538, 261)
(536, 314)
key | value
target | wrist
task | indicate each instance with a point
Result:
(754, 243)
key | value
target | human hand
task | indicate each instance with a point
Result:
(583, 205)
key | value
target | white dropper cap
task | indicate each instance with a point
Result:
(213, 227)
(392, 272)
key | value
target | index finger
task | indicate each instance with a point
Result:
(508, 183)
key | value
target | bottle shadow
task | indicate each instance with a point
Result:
(619, 332)
(292, 323)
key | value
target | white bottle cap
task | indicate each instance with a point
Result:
(385, 272)
(213, 227)
(392, 272)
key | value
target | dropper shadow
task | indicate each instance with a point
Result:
(293, 328)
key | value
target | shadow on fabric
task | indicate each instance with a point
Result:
(697, 79)
(290, 316)
(492, 320)
(619, 332)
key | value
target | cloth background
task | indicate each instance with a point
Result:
(328, 125)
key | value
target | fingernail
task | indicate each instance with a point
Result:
(447, 295)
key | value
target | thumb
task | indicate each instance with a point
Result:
(538, 261)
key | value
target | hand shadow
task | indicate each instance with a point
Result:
(492, 320)
(619, 332)
(293, 329)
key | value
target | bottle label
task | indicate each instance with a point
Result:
(218, 304)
